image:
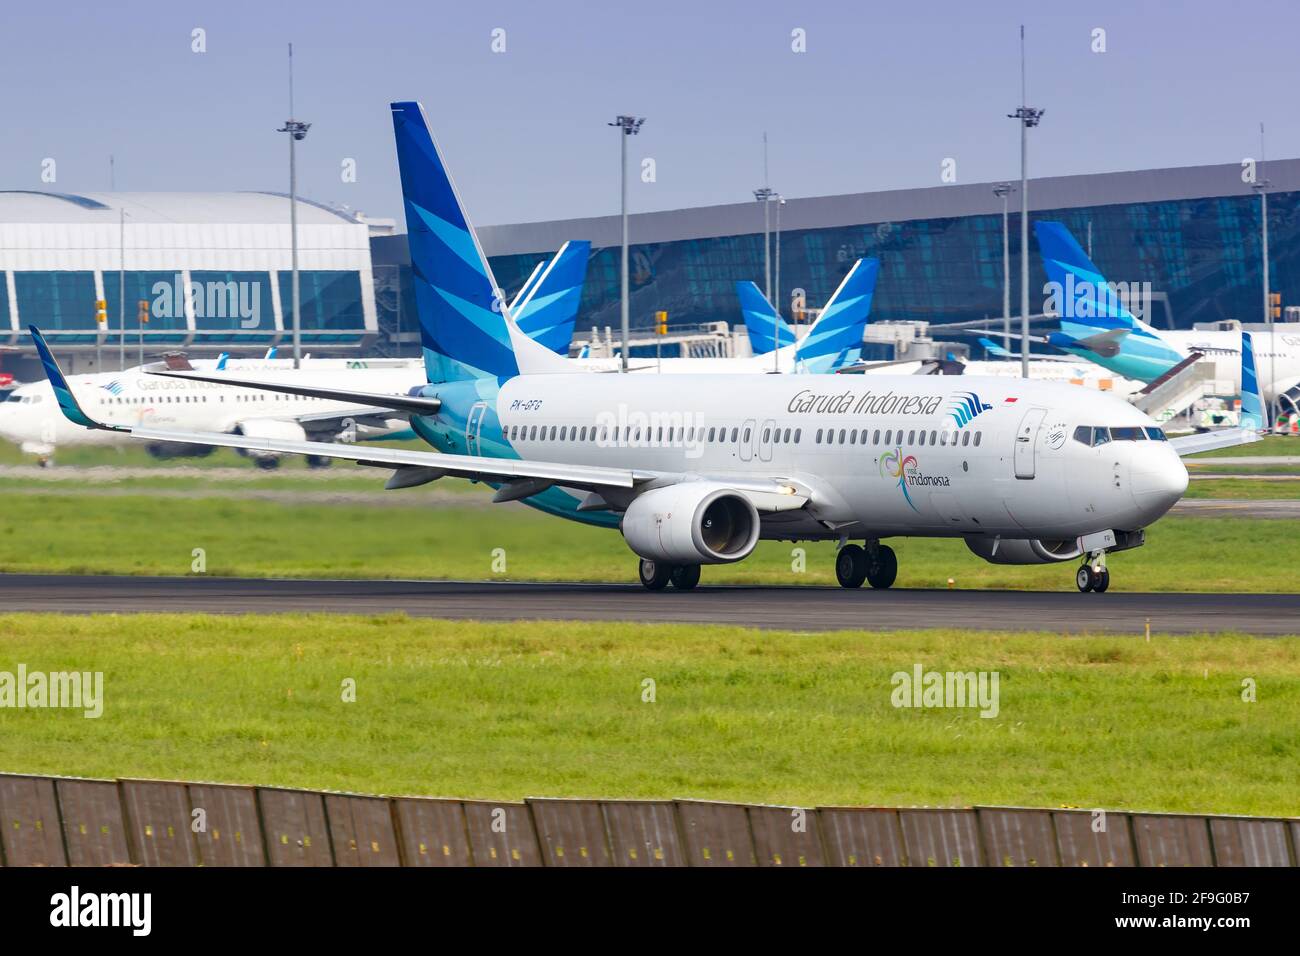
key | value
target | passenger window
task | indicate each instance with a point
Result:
(932, 436)
(889, 437)
(911, 438)
(922, 441)
(787, 436)
(734, 433)
(853, 437)
(841, 436)
(767, 435)
(564, 432)
(977, 439)
(819, 436)
(797, 433)
(965, 439)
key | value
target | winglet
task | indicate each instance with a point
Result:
(62, 392)
(1254, 414)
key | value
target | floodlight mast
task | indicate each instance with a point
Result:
(630, 125)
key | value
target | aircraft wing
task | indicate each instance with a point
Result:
(1213, 440)
(404, 403)
(520, 478)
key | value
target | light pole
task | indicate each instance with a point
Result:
(297, 131)
(1261, 186)
(1002, 191)
(1028, 117)
(776, 301)
(121, 290)
(630, 125)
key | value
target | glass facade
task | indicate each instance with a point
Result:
(163, 292)
(234, 301)
(331, 302)
(1202, 253)
(57, 301)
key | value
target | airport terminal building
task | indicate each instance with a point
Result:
(62, 254)
(1193, 233)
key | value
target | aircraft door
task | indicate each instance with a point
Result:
(474, 425)
(746, 440)
(1027, 442)
(765, 438)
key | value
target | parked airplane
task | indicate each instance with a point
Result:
(697, 469)
(766, 329)
(1096, 324)
(30, 417)
(831, 343)
(546, 308)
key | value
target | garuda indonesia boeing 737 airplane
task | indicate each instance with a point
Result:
(696, 469)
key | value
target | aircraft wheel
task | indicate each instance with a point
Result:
(684, 577)
(884, 572)
(267, 463)
(851, 566)
(654, 574)
(1102, 581)
(318, 461)
(1085, 579)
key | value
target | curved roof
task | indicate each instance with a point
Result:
(37, 206)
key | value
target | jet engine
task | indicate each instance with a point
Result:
(692, 523)
(1024, 550)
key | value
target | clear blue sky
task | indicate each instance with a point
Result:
(882, 96)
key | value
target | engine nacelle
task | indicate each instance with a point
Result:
(268, 428)
(696, 522)
(1024, 550)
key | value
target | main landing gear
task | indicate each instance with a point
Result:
(657, 575)
(875, 564)
(1093, 575)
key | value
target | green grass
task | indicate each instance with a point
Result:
(135, 456)
(1273, 445)
(1243, 488)
(506, 710)
(78, 533)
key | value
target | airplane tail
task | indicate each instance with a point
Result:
(1254, 413)
(835, 339)
(465, 325)
(1082, 295)
(767, 330)
(547, 308)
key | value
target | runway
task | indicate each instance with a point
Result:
(786, 608)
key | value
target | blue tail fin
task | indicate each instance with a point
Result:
(1081, 293)
(835, 339)
(464, 323)
(547, 309)
(767, 330)
(528, 284)
(1254, 414)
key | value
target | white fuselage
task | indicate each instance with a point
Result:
(31, 418)
(1277, 356)
(883, 455)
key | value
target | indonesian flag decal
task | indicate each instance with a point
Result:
(1009, 401)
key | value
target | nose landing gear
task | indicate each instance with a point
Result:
(1093, 575)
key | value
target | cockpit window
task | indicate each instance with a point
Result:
(1128, 434)
(1100, 436)
(1083, 434)
(1095, 435)
(1156, 434)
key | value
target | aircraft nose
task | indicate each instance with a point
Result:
(1159, 480)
